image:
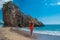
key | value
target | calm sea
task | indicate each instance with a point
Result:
(48, 28)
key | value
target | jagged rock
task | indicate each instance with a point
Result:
(12, 16)
(37, 23)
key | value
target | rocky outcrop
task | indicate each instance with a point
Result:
(12, 16)
(37, 23)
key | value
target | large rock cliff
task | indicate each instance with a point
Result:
(12, 16)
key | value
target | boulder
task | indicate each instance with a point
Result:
(13, 17)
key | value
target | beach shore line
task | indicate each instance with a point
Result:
(15, 34)
(42, 35)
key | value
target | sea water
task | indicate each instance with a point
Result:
(49, 28)
(46, 29)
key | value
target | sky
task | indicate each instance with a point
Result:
(46, 11)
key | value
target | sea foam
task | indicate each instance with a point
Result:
(57, 33)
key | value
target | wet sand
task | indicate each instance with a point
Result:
(47, 37)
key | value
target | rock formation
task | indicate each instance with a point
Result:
(12, 16)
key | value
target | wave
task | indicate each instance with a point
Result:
(57, 33)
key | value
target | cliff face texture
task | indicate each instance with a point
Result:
(13, 17)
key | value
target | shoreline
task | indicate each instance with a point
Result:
(21, 34)
(41, 36)
(55, 33)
